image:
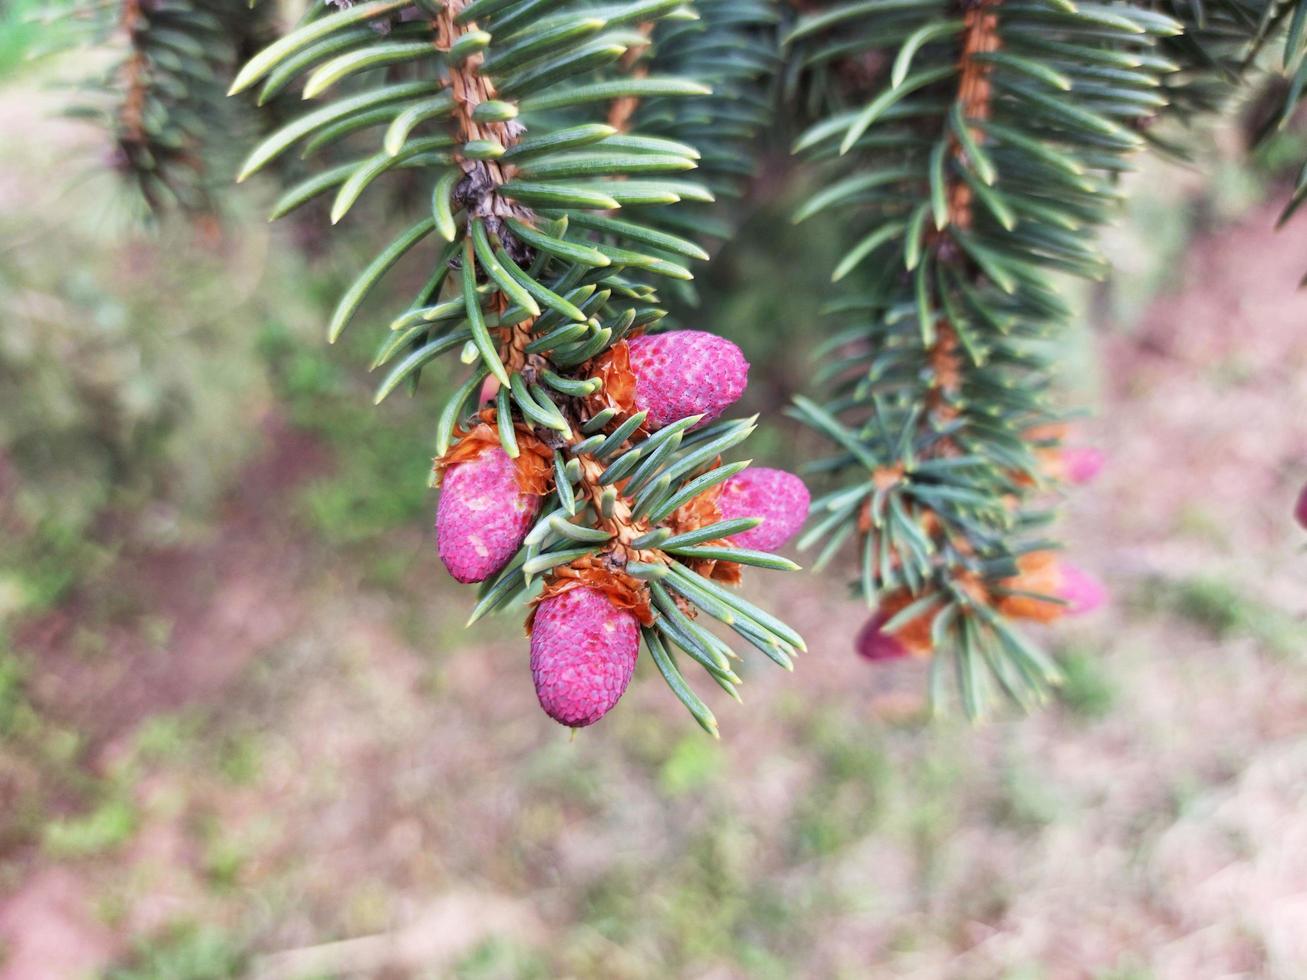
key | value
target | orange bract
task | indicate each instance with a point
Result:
(1049, 457)
(596, 572)
(534, 464)
(618, 391)
(1039, 573)
(915, 633)
(1046, 432)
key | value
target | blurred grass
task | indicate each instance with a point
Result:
(1226, 612)
(107, 826)
(1087, 689)
(185, 952)
(379, 483)
(110, 400)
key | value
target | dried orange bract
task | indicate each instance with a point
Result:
(534, 464)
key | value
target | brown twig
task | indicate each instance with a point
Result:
(975, 95)
(479, 188)
(132, 114)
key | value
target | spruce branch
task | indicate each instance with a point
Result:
(573, 474)
(972, 155)
(161, 100)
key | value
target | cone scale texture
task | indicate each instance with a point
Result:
(686, 372)
(583, 652)
(482, 516)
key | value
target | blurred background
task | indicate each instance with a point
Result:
(243, 732)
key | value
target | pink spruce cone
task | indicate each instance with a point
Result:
(778, 497)
(1082, 463)
(583, 651)
(483, 516)
(1300, 511)
(874, 643)
(686, 372)
(1082, 592)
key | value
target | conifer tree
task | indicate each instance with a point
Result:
(570, 158)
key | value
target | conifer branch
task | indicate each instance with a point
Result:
(173, 134)
(564, 466)
(974, 156)
(1227, 48)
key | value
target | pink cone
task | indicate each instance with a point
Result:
(1082, 463)
(778, 497)
(482, 516)
(1300, 511)
(873, 643)
(583, 651)
(686, 372)
(1083, 592)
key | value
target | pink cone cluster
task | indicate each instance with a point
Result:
(482, 516)
(583, 651)
(778, 497)
(1300, 510)
(583, 647)
(686, 372)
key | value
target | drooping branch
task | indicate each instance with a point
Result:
(971, 162)
(570, 482)
(173, 135)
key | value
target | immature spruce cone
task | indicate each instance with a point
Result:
(874, 643)
(1081, 464)
(1082, 592)
(483, 515)
(583, 651)
(686, 372)
(778, 497)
